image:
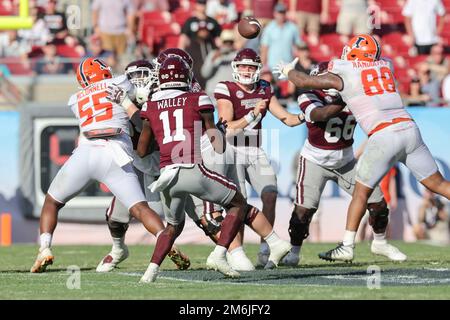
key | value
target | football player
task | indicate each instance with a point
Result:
(243, 103)
(328, 155)
(141, 74)
(177, 118)
(367, 85)
(104, 153)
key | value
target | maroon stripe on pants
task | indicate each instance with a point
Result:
(299, 170)
(111, 207)
(216, 177)
(301, 180)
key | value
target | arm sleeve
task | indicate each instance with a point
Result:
(307, 103)
(222, 92)
(204, 103)
(136, 120)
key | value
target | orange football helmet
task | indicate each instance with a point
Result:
(363, 47)
(92, 70)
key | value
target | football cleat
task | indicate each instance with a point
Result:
(180, 259)
(44, 258)
(387, 250)
(277, 252)
(291, 260)
(150, 274)
(341, 253)
(219, 263)
(112, 259)
(240, 262)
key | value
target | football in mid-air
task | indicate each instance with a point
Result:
(249, 27)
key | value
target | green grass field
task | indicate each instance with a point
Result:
(426, 275)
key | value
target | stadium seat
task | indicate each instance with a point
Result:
(180, 16)
(15, 66)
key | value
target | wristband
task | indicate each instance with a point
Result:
(249, 117)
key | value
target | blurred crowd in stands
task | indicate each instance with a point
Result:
(415, 36)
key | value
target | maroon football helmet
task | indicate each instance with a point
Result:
(171, 52)
(143, 76)
(174, 72)
(319, 69)
(247, 57)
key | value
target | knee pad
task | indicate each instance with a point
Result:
(117, 229)
(250, 214)
(378, 218)
(299, 228)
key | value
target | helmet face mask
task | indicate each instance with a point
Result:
(246, 57)
(142, 76)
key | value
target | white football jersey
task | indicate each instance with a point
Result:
(94, 111)
(369, 91)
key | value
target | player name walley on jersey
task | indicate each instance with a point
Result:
(227, 309)
(173, 102)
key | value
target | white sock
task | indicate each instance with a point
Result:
(272, 238)
(237, 250)
(264, 248)
(118, 243)
(379, 238)
(349, 238)
(153, 267)
(296, 250)
(220, 251)
(46, 240)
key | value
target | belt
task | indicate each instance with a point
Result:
(102, 133)
(387, 124)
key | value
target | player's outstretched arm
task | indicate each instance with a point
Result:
(289, 119)
(325, 113)
(215, 133)
(305, 81)
(119, 96)
(144, 139)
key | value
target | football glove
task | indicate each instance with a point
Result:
(283, 69)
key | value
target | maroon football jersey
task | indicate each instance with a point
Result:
(175, 120)
(244, 102)
(334, 134)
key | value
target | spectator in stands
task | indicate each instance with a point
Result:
(446, 88)
(433, 221)
(50, 63)
(39, 34)
(437, 62)
(95, 48)
(11, 45)
(279, 38)
(261, 9)
(151, 5)
(198, 37)
(353, 18)
(224, 11)
(305, 64)
(429, 86)
(217, 65)
(416, 97)
(114, 22)
(420, 22)
(55, 20)
(309, 15)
